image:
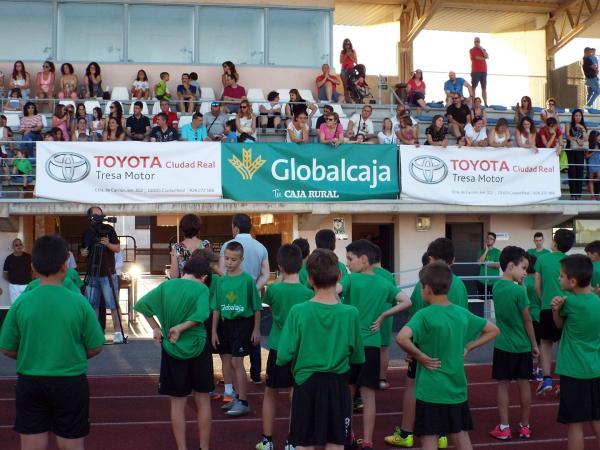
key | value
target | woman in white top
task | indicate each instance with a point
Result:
(245, 122)
(386, 135)
(525, 134)
(20, 79)
(500, 135)
(550, 110)
(140, 88)
(476, 133)
(297, 130)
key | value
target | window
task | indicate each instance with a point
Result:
(171, 29)
(586, 231)
(26, 31)
(234, 34)
(90, 32)
(298, 38)
(143, 222)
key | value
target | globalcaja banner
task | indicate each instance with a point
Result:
(128, 172)
(309, 173)
(479, 176)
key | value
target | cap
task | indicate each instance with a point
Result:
(215, 104)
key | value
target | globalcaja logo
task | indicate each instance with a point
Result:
(428, 169)
(247, 167)
(67, 167)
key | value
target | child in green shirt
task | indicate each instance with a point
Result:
(577, 313)
(593, 252)
(321, 339)
(488, 258)
(304, 247)
(324, 239)
(161, 89)
(535, 305)
(181, 307)
(22, 168)
(281, 297)
(443, 334)
(72, 282)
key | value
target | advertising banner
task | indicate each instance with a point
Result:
(479, 176)
(275, 172)
(128, 172)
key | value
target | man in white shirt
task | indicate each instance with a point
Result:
(361, 123)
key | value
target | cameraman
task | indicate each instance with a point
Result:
(103, 280)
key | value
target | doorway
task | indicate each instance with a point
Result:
(380, 234)
(468, 240)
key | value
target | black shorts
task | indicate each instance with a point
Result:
(412, 369)
(579, 400)
(536, 331)
(367, 374)
(57, 404)
(179, 377)
(235, 336)
(208, 326)
(278, 377)
(511, 366)
(321, 411)
(437, 419)
(548, 329)
(270, 120)
(479, 77)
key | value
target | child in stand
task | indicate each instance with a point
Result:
(98, 123)
(21, 168)
(535, 305)
(140, 88)
(161, 89)
(230, 132)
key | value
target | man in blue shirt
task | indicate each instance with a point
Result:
(455, 85)
(590, 71)
(194, 131)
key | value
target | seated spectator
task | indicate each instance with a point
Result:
(331, 132)
(186, 94)
(523, 109)
(20, 79)
(161, 89)
(360, 139)
(44, 82)
(194, 131)
(98, 124)
(92, 81)
(68, 82)
(14, 102)
(361, 123)
(593, 164)
(329, 86)
(245, 122)
(116, 111)
(82, 131)
(458, 115)
(401, 112)
(297, 130)
(233, 94)
(456, 85)
(1, 81)
(31, 127)
(479, 111)
(476, 133)
(500, 134)
(228, 70)
(80, 113)
(327, 109)
(386, 135)
(5, 135)
(297, 105)
(230, 132)
(550, 110)
(138, 125)
(114, 130)
(21, 168)
(436, 132)
(550, 136)
(415, 90)
(407, 134)
(163, 132)
(61, 120)
(525, 134)
(172, 119)
(140, 88)
(57, 134)
(194, 82)
(270, 112)
(215, 122)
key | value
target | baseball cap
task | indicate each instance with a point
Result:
(215, 104)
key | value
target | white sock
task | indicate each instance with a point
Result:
(504, 426)
(228, 388)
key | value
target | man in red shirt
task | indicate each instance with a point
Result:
(327, 84)
(479, 68)
(234, 93)
(172, 119)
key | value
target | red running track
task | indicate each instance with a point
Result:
(127, 414)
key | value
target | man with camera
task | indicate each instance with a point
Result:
(99, 244)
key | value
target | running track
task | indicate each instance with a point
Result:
(127, 414)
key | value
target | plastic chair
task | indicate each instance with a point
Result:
(307, 95)
(44, 121)
(144, 108)
(284, 94)
(207, 94)
(90, 105)
(68, 102)
(13, 119)
(337, 108)
(255, 95)
(156, 108)
(120, 93)
(344, 121)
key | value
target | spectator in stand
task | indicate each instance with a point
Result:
(44, 82)
(297, 130)
(327, 109)
(500, 134)
(228, 70)
(114, 130)
(98, 123)
(525, 134)
(479, 68)
(92, 81)
(408, 133)
(590, 71)
(186, 94)
(458, 115)
(194, 131)
(245, 122)
(328, 84)
(215, 121)
(5, 135)
(68, 82)
(20, 79)
(138, 125)
(140, 88)
(81, 132)
(476, 133)
(577, 141)
(550, 110)
(270, 112)
(297, 105)
(348, 60)
(172, 119)
(194, 82)
(456, 85)
(1, 82)
(362, 123)
(331, 132)
(14, 102)
(162, 132)
(161, 89)
(401, 112)
(386, 135)
(230, 132)
(116, 111)
(593, 163)
(31, 127)
(17, 270)
(523, 109)
(57, 135)
(479, 111)
(436, 132)
(550, 136)
(233, 94)
(415, 90)
(80, 113)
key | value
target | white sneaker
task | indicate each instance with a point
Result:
(118, 337)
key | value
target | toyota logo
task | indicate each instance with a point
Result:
(68, 167)
(428, 169)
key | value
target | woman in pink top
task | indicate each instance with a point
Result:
(415, 88)
(331, 132)
(31, 127)
(61, 120)
(348, 60)
(45, 83)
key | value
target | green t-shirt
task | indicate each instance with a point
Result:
(535, 304)
(173, 302)
(236, 297)
(281, 297)
(72, 282)
(510, 299)
(371, 295)
(538, 253)
(493, 255)
(457, 294)
(443, 331)
(579, 350)
(320, 338)
(303, 274)
(51, 328)
(212, 289)
(548, 266)
(161, 89)
(596, 275)
(23, 166)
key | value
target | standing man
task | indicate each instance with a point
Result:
(479, 68)
(538, 240)
(590, 71)
(491, 255)
(256, 264)
(17, 270)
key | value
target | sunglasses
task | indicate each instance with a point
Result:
(331, 120)
(243, 107)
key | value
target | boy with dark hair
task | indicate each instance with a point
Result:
(372, 296)
(304, 247)
(538, 240)
(535, 305)
(593, 252)
(443, 334)
(488, 258)
(236, 308)
(321, 404)
(52, 391)
(281, 297)
(577, 313)
(516, 344)
(325, 239)
(181, 306)
(547, 286)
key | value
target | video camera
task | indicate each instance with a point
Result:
(100, 224)
(100, 218)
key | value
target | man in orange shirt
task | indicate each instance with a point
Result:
(327, 84)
